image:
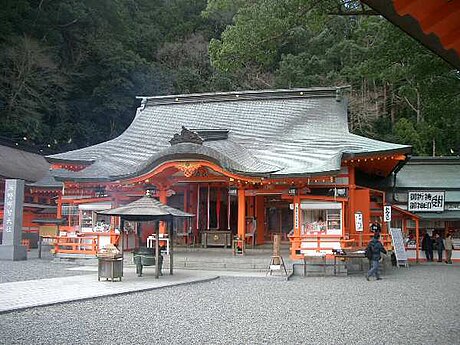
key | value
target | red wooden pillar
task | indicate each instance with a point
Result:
(228, 212)
(197, 208)
(186, 220)
(297, 225)
(218, 208)
(351, 199)
(260, 219)
(241, 214)
(192, 209)
(59, 206)
(208, 207)
(164, 200)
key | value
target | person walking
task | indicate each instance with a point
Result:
(376, 248)
(449, 245)
(427, 247)
(439, 246)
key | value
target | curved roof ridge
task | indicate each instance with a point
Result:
(288, 135)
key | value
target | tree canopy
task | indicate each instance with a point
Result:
(70, 69)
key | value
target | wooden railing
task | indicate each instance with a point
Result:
(361, 240)
(84, 244)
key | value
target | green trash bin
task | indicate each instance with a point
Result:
(146, 257)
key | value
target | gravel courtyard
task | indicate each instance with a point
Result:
(419, 305)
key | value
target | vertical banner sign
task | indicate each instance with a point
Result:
(387, 214)
(12, 214)
(296, 218)
(359, 226)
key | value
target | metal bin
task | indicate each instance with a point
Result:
(110, 267)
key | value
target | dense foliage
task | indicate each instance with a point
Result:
(70, 69)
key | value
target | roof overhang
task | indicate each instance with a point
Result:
(446, 215)
(434, 23)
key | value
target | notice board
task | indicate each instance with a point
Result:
(398, 245)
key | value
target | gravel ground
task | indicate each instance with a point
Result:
(34, 268)
(419, 305)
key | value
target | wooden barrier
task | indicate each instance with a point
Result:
(84, 244)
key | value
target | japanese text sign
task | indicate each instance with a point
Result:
(426, 201)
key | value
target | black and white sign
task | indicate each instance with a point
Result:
(296, 213)
(425, 201)
(398, 245)
(387, 214)
(359, 226)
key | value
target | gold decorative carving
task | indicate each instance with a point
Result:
(189, 169)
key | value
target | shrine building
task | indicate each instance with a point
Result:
(249, 164)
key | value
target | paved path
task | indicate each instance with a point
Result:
(33, 293)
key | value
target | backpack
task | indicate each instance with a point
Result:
(369, 251)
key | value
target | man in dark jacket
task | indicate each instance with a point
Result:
(439, 246)
(377, 248)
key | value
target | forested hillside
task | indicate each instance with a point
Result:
(70, 69)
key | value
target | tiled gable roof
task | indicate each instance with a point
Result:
(18, 164)
(273, 132)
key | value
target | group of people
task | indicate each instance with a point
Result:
(428, 244)
(440, 244)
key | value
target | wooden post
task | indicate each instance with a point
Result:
(276, 245)
(185, 222)
(171, 245)
(260, 217)
(198, 207)
(351, 202)
(228, 212)
(241, 216)
(218, 208)
(157, 250)
(164, 200)
(122, 226)
(417, 240)
(208, 202)
(59, 206)
(296, 245)
(40, 239)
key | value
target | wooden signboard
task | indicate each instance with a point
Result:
(48, 230)
(398, 245)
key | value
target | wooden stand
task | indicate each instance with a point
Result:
(276, 262)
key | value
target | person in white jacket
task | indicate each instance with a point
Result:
(449, 246)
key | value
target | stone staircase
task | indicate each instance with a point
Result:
(220, 259)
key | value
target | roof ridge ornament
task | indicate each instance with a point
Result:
(186, 136)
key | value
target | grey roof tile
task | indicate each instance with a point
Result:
(272, 132)
(18, 164)
(430, 173)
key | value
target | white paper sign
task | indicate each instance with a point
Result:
(359, 226)
(425, 201)
(387, 214)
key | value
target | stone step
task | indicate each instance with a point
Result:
(219, 264)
